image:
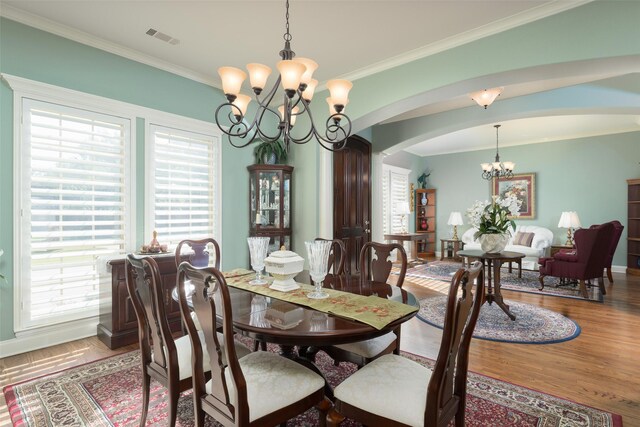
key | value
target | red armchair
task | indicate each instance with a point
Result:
(586, 262)
(615, 238)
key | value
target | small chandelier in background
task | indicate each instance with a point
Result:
(484, 98)
(295, 77)
(497, 169)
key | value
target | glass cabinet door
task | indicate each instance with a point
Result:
(270, 203)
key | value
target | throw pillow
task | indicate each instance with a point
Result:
(523, 239)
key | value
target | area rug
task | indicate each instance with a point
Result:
(444, 270)
(533, 325)
(108, 393)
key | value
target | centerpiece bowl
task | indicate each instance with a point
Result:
(284, 265)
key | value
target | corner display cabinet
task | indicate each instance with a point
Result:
(633, 231)
(426, 221)
(270, 204)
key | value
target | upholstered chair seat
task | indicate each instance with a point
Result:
(393, 390)
(369, 348)
(273, 383)
(386, 381)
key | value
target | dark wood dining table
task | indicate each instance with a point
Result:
(315, 329)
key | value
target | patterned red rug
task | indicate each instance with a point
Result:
(108, 393)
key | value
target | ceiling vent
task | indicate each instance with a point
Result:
(162, 36)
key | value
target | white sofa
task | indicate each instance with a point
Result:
(542, 238)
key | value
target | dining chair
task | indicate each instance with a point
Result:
(198, 252)
(164, 359)
(337, 256)
(262, 388)
(394, 390)
(375, 265)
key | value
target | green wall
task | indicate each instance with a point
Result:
(37, 55)
(586, 175)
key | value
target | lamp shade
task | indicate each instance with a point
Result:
(242, 102)
(486, 97)
(291, 73)
(232, 79)
(258, 75)
(569, 220)
(339, 90)
(310, 89)
(402, 208)
(455, 218)
(310, 66)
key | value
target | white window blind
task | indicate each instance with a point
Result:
(184, 185)
(395, 189)
(74, 208)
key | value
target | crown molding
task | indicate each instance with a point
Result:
(75, 35)
(522, 18)
(70, 33)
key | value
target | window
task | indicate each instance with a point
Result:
(395, 189)
(74, 208)
(183, 183)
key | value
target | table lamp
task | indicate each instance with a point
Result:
(402, 209)
(569, 220)
(455, 219)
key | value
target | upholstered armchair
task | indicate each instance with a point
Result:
(615, 238)
(585, 262)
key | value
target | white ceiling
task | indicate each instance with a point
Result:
(348, 39)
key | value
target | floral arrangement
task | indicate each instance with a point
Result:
(493, 218)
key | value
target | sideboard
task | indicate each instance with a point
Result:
(118, 324)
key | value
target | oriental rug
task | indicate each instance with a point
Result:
(533, 325)
(529, 283)
(108, 393)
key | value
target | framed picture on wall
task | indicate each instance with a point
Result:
(523, 186)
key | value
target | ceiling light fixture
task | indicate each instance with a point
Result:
(497, 169)
(295, 77)
(484, 98)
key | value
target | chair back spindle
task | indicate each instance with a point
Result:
(375, 263)
(146, 293)
(447, 387)
(211, 304)
(198, 252)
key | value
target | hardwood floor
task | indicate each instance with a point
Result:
(599, 368)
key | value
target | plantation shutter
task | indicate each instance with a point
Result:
(74, 208)
(184, 185)
(395, 184)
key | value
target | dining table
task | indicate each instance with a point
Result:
(296, 328)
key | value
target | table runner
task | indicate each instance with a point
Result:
(372, 310)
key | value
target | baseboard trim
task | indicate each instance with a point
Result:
(48, 336)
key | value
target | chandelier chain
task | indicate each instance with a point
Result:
(287, 36)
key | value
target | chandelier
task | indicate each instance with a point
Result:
(497, 169)
(299, 86)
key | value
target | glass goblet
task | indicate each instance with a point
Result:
(258, 247)
(318, 253)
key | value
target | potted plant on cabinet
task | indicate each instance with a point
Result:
(270, 153)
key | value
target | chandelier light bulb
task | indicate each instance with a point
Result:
(339, 90)
(307, 94)
(310, 67)
(258, 75)
(232, 79)
(291, 72)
